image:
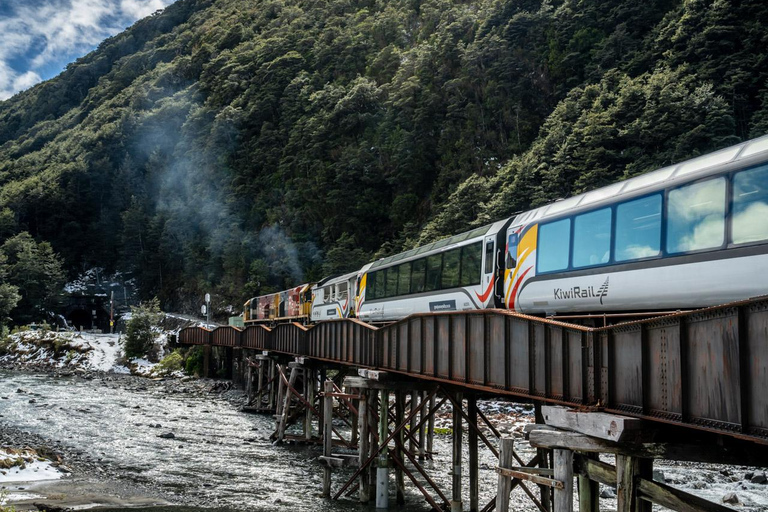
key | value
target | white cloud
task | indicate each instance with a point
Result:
(43, 33)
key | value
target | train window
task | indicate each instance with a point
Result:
(511, 261)
(341, 291)
(750, 206)
(418, 276)
(638, 229)
(381, 284)
(471, 259)
(451, 269)
(404, 285)
(370, 285)
(327, 294)
(391, 282)
(434, 264)
(554, 245)
(696, 216)
(592, 238)
(489, 257)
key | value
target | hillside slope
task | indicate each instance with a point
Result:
(240, 146)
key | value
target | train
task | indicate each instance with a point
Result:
(686, 236)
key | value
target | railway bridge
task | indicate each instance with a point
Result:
(685, 386)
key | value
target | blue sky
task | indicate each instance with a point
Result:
(38, 38)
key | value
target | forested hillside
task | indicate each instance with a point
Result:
(238, 146)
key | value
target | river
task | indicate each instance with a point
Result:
(219, 457)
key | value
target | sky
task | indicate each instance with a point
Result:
(38, 38)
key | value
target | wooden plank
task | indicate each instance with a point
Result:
(523, 474)
(589, 490)
(755, 455)
(474, 469)
(456, 504)
(534, 471)
(563, 462)
(595, 470)
(506, 458)
(675, 499)
(337, 461)
(393, 385)
(365, 483)
(327, 435)
(626, 490)
(611, 427)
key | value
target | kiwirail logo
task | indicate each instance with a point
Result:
(582, 292)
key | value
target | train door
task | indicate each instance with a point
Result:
(489, 268)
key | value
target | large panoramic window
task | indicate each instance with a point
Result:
(404, 285)
(419, 275)
(696, 216)
(434, 264)
(554, 245)
(592, 238)
(750, 206)
(391, 282)
(380, 285)
(451, 268)
(471, 258)
(638, 229)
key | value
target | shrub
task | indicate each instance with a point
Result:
(139, 332)
(194, 363)
(170, 364)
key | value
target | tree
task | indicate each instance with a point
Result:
(140, 329)
(9, 294)
(37, 272)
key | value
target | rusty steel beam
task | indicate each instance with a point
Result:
(702, 369)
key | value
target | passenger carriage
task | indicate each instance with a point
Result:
(689, 235)
(334, 297)
(454, 274)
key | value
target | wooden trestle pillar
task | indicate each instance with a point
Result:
(456, 505)
(382, 471)
(327, 433)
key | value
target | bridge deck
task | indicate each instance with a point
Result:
(706, 369)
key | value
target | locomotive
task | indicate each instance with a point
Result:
(689, 235)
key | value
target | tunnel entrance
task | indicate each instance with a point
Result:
(87, 313)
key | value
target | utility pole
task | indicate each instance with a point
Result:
(208, 307)
(112, 313)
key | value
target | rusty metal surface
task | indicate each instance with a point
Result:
(195, 336)
(226, 336)
(256, 337)
(705, 369)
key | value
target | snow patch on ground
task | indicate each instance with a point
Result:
(25, 466)
(74, 351)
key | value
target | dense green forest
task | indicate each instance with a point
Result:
(239, 146)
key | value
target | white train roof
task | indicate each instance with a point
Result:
(441, 245)
(711, 163)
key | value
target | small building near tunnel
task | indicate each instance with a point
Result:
(94, 299)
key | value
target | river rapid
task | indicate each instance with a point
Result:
(219, 457)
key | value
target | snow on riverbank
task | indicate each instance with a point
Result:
(70, 351)
(25, 466)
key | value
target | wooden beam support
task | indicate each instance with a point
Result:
(589, 490)
(713, 454)
(456, 504)
(327, 435)
(474, 464)
(532, 476)
(675, 499)
(506, 459)
(611, 427)
(563, 462)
